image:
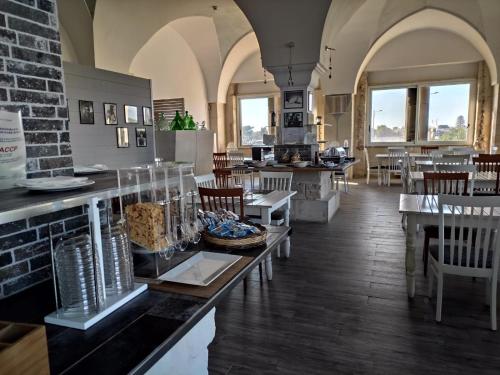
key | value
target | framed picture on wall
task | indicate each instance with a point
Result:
(122, 137)
(141, 139)
(131, 114)
(110, 114)
(147, 117)
(293, 99)
(86, 108)
(293, 119)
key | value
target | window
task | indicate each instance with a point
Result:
(445, 112)
(253, 119)
(388, 115)
(420, 113)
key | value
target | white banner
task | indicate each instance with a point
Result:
(12, 149)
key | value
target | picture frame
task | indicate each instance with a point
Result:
(141, 139)
(131, 114)
(86, 109)
(293, 119)
(110, 113)
(293, 99)
(122, 139)
(147, 116)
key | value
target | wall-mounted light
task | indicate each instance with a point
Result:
(318, 120)
(330, 51)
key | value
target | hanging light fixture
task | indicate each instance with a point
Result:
(330, 51)
(290, 46)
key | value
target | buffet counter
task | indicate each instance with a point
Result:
(156, 332)
(136, 337)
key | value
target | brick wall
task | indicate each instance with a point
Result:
(31, 80)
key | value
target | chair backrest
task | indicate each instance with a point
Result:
(428, 149)
(451, 159)
(395, 155)
(220, 160)
(281, 181)
(206, 180)
(230, 199)
(405, 173)
(445, 183)
(473, 231)
(222, 177)
(235, 158)
(489, 163)
(462, 150)
(459, 168)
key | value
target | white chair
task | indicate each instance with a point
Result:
(280, 181)
(396, 155)
(474, 256)
(206, 181)
(451, 159)
(459, 168)
(239, 176)
(370, 169)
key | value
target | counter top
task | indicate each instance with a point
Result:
(19, 203)
(134, 337)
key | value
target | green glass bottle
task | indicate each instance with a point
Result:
(191, 123)
(185, 121)
(177, 123)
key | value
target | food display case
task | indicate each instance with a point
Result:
(151, 213)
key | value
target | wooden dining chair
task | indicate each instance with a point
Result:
(230, 199)
(206, 180)
(488, 163)
(427, 150)
(441, 183)
(223, 178)
(220, 160)
(451, 159)
(464, 256)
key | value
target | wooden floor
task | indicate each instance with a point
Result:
(339, 306)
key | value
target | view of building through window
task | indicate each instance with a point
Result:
(254, 113)
(443, 113)
(448, 112)
(388, 115)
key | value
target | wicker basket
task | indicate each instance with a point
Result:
(253, 240)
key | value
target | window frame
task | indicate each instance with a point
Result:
(238, 113)
(419, 85)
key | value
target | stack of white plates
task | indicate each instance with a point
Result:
(90, 169)
(59, 183)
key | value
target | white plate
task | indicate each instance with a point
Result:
(60, 183)
(201, 269)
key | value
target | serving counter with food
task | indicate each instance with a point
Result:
(144, 222)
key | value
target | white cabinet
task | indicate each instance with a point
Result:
(187, 145)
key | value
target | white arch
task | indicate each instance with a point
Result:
(245, 47)
(435, 19)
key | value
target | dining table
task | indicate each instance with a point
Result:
(263, 204)
(421, 209)
(482, 181)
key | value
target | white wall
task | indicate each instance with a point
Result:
(170, 63)
(250, 70)
(423, 48)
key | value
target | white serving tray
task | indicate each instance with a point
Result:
(201, 269)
